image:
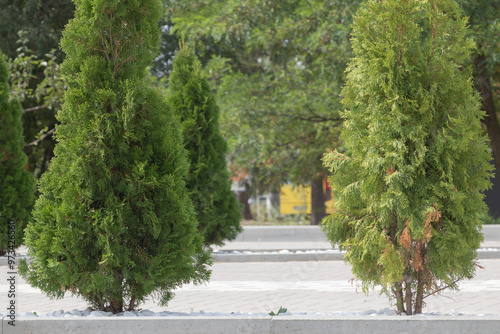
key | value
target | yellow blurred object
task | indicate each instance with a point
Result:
(329, 206)
(297, 200)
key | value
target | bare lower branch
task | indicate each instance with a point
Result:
(444, 287)
(34, 108)
(41, 138)
(313, 118)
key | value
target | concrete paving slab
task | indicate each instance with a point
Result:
(491, 233)
(281, 233)
(288, 251)
(274, 245)
(315, 234)
(257, 257)
(291, 256)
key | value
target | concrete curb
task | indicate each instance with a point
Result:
(310, 233)
(282, 257)
(258, 324)
(276, 257)
(281, 234)
(491, 232)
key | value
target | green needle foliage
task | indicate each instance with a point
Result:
(409, 189)
(17, 186)
(114, 222)
(209, 183)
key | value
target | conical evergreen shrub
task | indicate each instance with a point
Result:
(409, 189)
(17, 186)
(114, 222)
(217, 208)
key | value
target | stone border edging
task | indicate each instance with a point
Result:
(277, 257)
(286, 257)
(313, 233)
(294, 233)
(258, 324)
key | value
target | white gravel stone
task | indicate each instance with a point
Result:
(350, 314)
(100, 314)
(129, 314)
(86, 312)
(76, 312)
(146, 313)
(387, 312)
(368, 312)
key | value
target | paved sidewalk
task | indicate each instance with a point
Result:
(307, 286)
(259, 287)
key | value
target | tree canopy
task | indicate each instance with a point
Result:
(410, 186)
(208, 180)
(114, 222)
(30, 34)
(17, 185)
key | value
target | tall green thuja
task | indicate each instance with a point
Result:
(114, 222)
(208, 181)
(17, 186)
(409, 188)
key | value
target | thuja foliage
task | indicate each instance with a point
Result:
(209, 183)
(17, 186)
(409, 188)
(114, 222)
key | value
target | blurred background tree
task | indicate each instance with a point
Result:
(484, 20)
(17, 186)
(208, 181)
(114, 196)
(286, 59)
(30, 32)
(278, 67)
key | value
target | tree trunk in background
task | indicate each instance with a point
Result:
(273, 204)
(275, 199)
(243, 199)
(318, 211)
(483, 85)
